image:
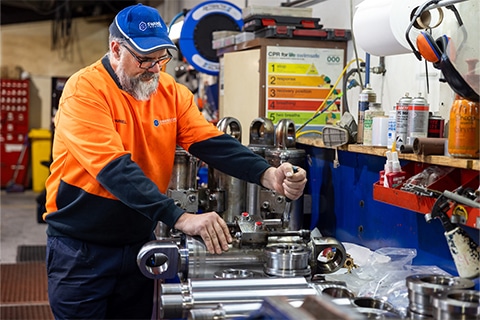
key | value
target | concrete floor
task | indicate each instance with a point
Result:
(18, 223)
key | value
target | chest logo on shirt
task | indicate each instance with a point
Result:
(156, 122)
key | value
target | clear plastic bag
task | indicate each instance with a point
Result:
(382, 274)
(427, 177)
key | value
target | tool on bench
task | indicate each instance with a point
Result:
(464, 249)
(288, 205)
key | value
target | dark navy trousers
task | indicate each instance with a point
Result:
(89, 281)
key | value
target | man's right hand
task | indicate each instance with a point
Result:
(210, 226)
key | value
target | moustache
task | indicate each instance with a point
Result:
(147, 75)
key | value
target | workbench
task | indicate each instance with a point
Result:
(344, 207)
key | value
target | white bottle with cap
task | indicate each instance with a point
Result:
(396, 176)
(374, 110)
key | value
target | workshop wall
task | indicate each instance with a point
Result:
(32, 48)
(29, 47)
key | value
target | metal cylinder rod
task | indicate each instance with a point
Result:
(233, 284)
(231, 311)
(248, 283)
(224, 296)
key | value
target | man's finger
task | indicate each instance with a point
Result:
(226, 231)
(208, 242)
(221, 235)
(214, 239)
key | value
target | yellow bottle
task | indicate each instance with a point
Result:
(463, 129)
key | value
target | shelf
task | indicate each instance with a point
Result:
(473, 164)
(465, 172)
(423, 204)
(291, 42)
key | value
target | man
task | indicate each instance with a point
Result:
(116, 131)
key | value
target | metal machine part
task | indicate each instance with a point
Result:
(159, 259)
(262, 137)
(230, 284)
(371, 306)
(232, 189)
(255, 254)
(328, 254)
(230, 292)
(183, 186)
(422, 287)
(234, 284)
(287, 260)
(270, 256)
(273, 205)
(334, 290)
(456, 304)
(184, 171)
(196, 262)
(255, 232)
(229, 196)
(230, 311)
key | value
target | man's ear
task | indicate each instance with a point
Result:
(115, 49)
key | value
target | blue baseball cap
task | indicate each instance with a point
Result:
(143, 28)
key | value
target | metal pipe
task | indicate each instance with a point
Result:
(230, 284)
(198, 263)
(231, 311)
(443, 3)
(177, 305)
(224, 296)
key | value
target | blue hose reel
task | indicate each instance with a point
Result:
(196, 36)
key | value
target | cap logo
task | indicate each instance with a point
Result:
(145, 25)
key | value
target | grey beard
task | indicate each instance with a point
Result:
(139, 89)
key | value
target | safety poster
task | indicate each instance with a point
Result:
(298, 80)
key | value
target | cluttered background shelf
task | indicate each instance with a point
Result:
(461, 173)
(473, 164)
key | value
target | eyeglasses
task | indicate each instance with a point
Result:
(150, 63)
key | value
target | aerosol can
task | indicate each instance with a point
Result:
(401, 123)
(366, 97)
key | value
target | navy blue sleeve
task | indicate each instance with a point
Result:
(228, 155)
(126, 181)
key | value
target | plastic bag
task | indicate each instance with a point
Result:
(427, 177)
(382, 274)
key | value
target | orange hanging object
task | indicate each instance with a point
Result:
(463, 130)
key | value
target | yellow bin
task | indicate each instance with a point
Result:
(41, 148)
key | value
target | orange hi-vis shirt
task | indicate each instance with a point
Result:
(113, 156)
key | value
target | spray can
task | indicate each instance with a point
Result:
(463, 129)
(401, 120)
(392, 114)
(366, 97)
(436, 126)
(417, 119)
(374, 110)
